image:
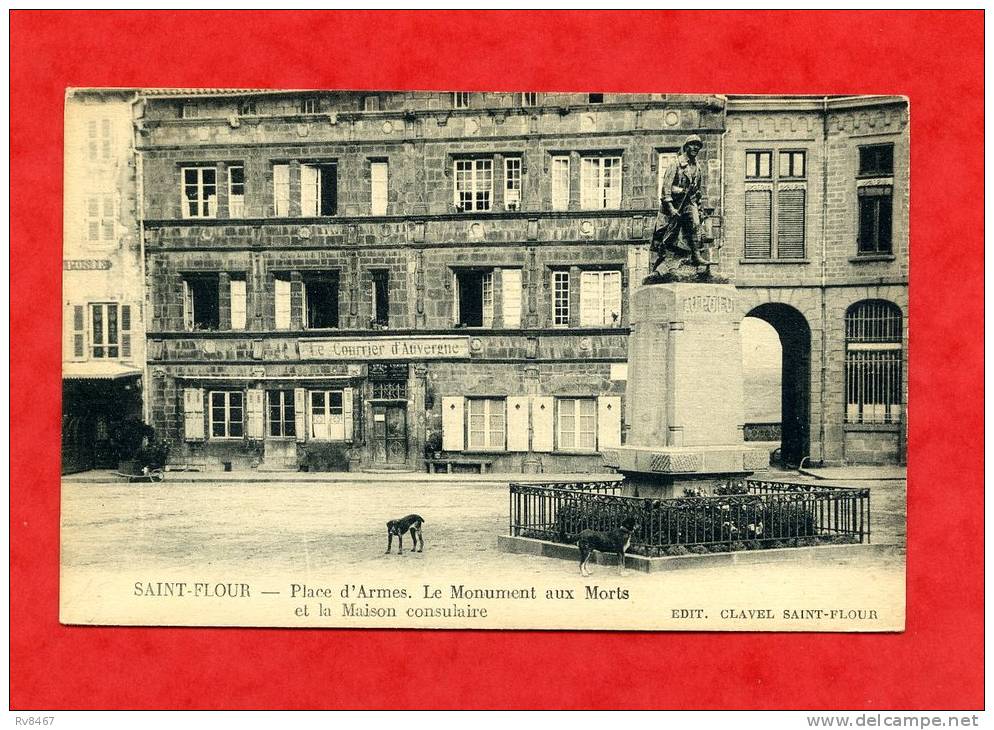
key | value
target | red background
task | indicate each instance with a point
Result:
(935, 58)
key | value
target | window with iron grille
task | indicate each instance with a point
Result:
(389, 390)
(474, 183)
(485, 423)
(775, 204)
(874, 333)
(227, 414)
(281, 413)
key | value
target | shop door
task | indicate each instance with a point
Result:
(390, 433)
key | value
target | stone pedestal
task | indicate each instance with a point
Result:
(684, 395)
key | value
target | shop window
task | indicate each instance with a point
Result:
(576, 424)
(381, 297)
(560, 182)
(512, 183)
(600, 183)
(474, 292)
(485, 424)
(199, 192)
(110, 330)
(775, 204)
(560, 298)
(321, 300)
(281, 413)
(474, 182)
(318, 189)
(236, 191)
(873, 362)
(201, 302)
(327, 415)
(600, 299)
(378, 183)
(227, 414)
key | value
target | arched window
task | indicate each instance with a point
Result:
(873, 362)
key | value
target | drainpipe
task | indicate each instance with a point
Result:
(824, 275)
(140, 211)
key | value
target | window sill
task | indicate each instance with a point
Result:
(872, 258)
(774, 261)
(880, 427)
(576, 452)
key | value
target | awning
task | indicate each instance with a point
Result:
(98, 370)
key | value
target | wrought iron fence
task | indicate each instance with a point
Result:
(737, 516)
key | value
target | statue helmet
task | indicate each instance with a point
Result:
(693, 139)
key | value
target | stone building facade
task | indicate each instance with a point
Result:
(103, 352)
(356, 280)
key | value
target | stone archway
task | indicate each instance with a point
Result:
(795, 380)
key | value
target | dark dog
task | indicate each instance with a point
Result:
(410, 523)
(612, 541)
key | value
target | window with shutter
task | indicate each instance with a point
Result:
(790, 223)
(758, 240)
(126, 330)
(281, 190)
(378, 185)
(238, 303)
(282, 300)
(560, 183)
(511, 296)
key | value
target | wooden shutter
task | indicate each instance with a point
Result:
(309, 190)
(125, 325)
(452, 423)
(187, 306)
(255, 410)
(590, 299)
(517, 423)
(75, 332)
(542, 423)
(193, 414)
(281, 190)
(300, 413)
(510, 283)
(347, 412)
(560, 183)
(238, 297)
(282, 298)
(758, 224)
(378, 182)
(790, 223)
(608, 422)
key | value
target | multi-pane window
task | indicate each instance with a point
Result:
(775, 204)
(485, 423)
(460, 99)
(318, 189)
(664, 159)
(238, 301)
(512, 183)
(876, 160)
(560, 182)
(281, 413)
(873, 362)
(474, 181)
(236, 191)
(227, 414)
(101, 225)
(600, 183)
(529, 98)
(600, 298)
(371, 103)
(321, 300)
(99, 139)
(281, 190)
(110, 330)
(474, 298)
(560, 298)
(576, 424)
(327, 415)
(378, 179)
(309, 105)
(389, 390)
(199, 192)
(201, 302)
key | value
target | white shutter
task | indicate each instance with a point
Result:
(309, 179)
(608, 422)
(282, 297)
(300, 413)
(560, 183)
(281, 190)
(187, 306)
(590, 299)
(255, 411)
(452, 423)
(193, 414)
(542, 423)
(510, 283)
(517, 423)
(238, 304)
(347, 412)
(378, 182)
(589, 183)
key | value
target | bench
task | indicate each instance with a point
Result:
(433, 464)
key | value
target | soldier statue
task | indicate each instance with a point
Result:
(678, 223)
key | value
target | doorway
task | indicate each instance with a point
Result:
(389, 437)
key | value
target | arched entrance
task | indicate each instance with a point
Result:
(795, 378)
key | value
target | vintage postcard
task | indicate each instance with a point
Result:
(484, 360)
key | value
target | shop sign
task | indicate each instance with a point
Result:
(85, 264)
(385, 348)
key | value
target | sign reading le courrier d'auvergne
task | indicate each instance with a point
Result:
(384, 348)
